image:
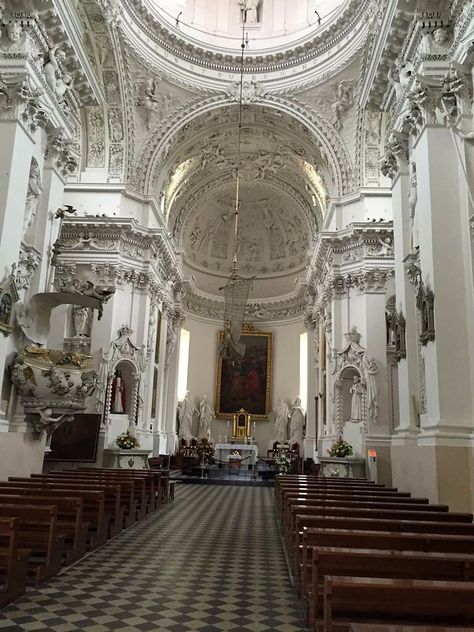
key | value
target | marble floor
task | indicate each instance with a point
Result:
(212, 561)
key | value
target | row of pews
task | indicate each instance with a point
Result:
(51, 520)
(366, 557)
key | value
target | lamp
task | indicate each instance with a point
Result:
(236, 290)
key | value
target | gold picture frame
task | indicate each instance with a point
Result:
(246, 382)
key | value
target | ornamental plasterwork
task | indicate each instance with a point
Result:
(212, 308)
(200, 65)
(116, 250)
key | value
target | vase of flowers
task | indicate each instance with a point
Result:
(126, 441)
(340, 449)
(205, 452)
(284, 464)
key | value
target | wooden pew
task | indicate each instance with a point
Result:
(38, 531)
(154, 480)
(13, 562)
(355, 511)
(132, 490)
(351, 599)
(70, 519)
(380, 563)
(93, 508)
(393, 541)
(366, 524)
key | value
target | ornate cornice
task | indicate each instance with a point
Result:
(265, 311)
(174, 45)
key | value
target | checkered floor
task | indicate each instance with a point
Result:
(210, 562)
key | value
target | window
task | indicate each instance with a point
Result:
(183, 361)
(304, 369)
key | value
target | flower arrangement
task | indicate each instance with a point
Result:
(205, 451)
(126, 441)
(284, 463)
(340, 449)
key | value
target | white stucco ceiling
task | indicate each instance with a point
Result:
(217, 23)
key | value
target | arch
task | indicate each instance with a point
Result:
(324, 134)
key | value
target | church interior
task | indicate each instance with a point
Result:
(236, 307)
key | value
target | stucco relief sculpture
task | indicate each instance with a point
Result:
(370, 371)
(32, 195)
(412, 202)
(297, 418)
(186, 412)
(435, 42)
(282, 414)
(47, 423)
(206, 416)
(344, 99)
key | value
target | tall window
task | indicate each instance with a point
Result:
(183, 362)
(304, 369)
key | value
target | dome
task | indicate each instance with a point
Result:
(272, 25)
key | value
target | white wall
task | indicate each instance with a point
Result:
(203, 361)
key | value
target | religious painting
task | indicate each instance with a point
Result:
(246, 382)
(76, 441)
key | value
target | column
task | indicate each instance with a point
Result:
(409, 398)
(311, 435)
(449, 380)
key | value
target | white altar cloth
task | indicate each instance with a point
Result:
(223, 450)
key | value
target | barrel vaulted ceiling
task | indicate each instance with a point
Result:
(177, 128)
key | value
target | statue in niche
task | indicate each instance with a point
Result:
(186, 411)
(250, 11)
(206, 416)
(297, 416)
(118, 394)
(32, 195)
(412, 201)
(81, 320)
(356, 390)
(282, 413)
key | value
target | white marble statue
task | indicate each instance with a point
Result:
(32, 195)
(206, 416)
(51, 70)
(80, 320)
(282, 413)
(356, 390)
(250, 8)
(297, 416)
(186, 412)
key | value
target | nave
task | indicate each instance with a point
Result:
(211, 561)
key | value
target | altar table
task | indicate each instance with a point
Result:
(224, 450)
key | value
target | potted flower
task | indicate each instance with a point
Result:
(126, 441)
(284, 463)
(340, 449)
(205, 452)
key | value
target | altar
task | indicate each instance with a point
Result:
(224, 450)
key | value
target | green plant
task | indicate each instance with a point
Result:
(284, 463)
(341, 449)
(126, 441)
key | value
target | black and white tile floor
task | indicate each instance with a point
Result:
(210, 562)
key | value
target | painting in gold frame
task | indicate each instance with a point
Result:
(246, 382)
